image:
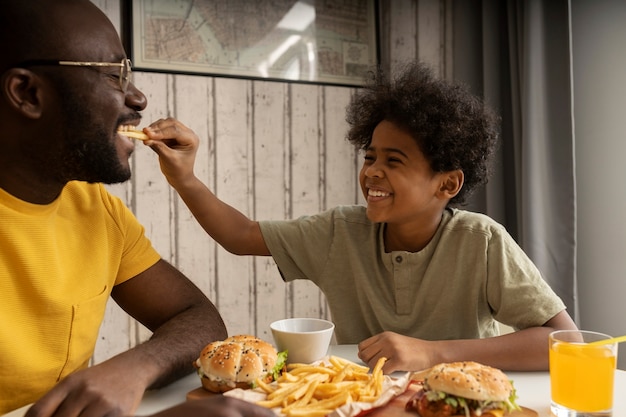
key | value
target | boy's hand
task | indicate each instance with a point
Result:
(403, 353)
(176, 146)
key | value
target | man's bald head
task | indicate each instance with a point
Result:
(56, 29)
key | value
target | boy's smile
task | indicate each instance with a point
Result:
(374, 195)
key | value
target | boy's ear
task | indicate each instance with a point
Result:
(451, 183)
(21, 89)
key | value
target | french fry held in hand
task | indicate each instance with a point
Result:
(132, 132)
(317, 390)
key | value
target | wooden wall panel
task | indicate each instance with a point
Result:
(399, 31)
(233, 164)
(115, 333)
(430, 33)
(153, 202)
(271, 179)
(195, 250)
(306, 186)
(274, 150)
(340, 157)
(415, 29)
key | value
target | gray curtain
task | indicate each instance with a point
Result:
(517, 54)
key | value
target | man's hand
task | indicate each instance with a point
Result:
(110, 389)
(92, 393)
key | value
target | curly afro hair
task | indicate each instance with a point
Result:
(453, 128)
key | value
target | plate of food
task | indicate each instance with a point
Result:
(250, 369)
(333, 387)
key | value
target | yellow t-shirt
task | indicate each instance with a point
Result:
(58, 265)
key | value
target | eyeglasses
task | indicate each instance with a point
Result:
(124, 75)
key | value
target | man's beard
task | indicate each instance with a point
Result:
(90, 154)
(92, 157)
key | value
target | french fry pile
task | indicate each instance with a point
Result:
(316, 390)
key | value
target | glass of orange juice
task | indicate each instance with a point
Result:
(581, 373)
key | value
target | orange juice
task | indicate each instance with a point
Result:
(581, 376)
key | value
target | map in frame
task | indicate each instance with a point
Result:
(321, 41)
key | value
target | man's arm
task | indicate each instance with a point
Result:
(181, 317)
(183, 321)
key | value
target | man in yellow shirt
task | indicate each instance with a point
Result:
(66, 244)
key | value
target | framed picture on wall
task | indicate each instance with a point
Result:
(318, 41)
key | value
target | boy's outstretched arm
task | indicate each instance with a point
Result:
(176, 146)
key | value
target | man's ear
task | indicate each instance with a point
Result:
(22, 90)
(451, 183)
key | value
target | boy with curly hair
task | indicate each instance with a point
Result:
(409, 276)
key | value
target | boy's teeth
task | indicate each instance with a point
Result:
(375, 193)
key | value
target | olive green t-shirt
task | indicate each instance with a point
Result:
(471, 275)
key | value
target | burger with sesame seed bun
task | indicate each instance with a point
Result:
(237, 362)
(464, 389)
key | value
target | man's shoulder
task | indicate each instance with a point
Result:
(82, 189)
(92, 197)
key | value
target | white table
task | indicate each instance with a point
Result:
(533, 389)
